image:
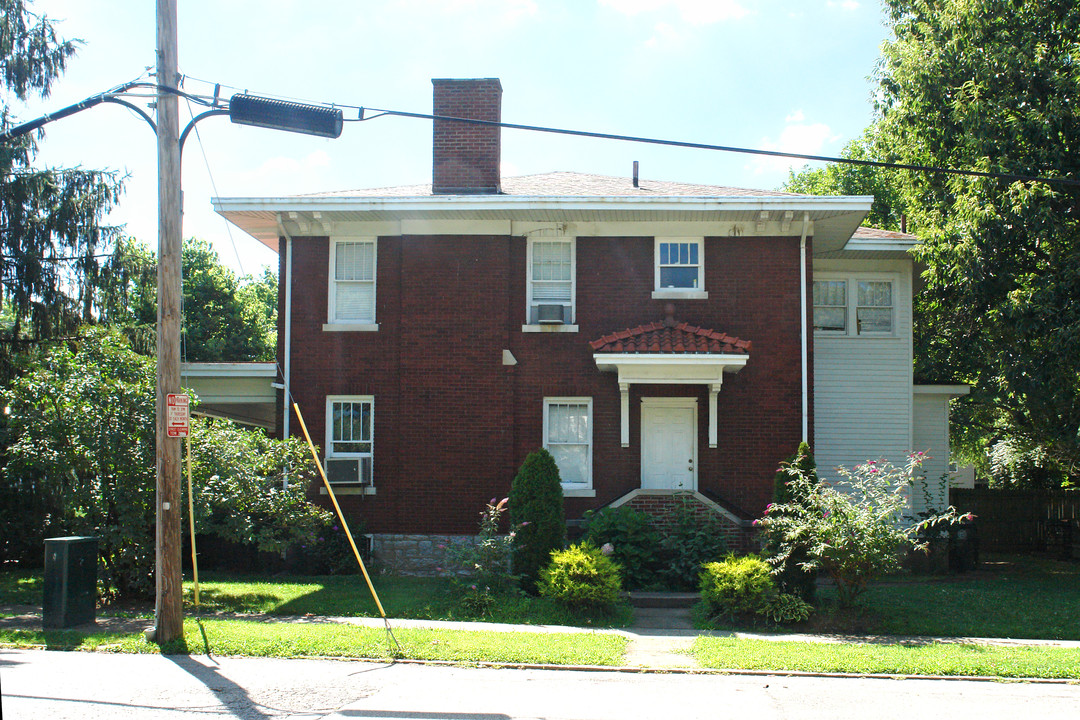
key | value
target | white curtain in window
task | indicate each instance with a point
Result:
(568, 440)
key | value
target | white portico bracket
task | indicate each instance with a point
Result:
(714, 390)
(624, 412)
(669, 369)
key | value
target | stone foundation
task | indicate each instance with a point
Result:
(427, 555)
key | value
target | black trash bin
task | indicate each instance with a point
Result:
(70, 582)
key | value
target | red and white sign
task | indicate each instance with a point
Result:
(178, 417)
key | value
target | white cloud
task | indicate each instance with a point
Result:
(664, 34)
(799, 137)
(842, 4)
(695, 12)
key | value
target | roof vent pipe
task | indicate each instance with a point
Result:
(636, 174)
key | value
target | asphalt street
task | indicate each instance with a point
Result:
(42, 685)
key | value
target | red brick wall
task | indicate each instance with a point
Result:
(466, 156)
(452, 424)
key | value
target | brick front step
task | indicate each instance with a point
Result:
(662, 599)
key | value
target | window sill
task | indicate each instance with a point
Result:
(349, 490)
(549, 328)
(350, 327)
(863, 336)
(680, 295)
(578, 492)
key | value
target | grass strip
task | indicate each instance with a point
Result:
(419, 598)
(256, 639)
(889, 659)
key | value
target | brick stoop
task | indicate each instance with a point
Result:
(641, 599)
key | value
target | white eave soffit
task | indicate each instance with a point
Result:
(833, 219)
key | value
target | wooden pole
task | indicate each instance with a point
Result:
(168, 612)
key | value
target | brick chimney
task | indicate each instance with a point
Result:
(465, 156)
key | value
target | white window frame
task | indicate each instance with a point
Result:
(662, 293)
(332, 322)
(851, 324)
(571, 325)
(331, 453)
(584, 489)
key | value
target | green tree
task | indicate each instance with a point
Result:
(81, 461)
(992, 85)
(226, 318)
(888, 209)
(82, 455)
(52, 240)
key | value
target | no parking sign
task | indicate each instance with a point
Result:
(178, 417)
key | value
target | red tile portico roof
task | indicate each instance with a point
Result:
(658, 337)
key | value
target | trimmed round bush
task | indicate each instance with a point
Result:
(581, 577)
(536, 516)
(736, 586)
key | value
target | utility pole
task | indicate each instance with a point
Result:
(168, 611)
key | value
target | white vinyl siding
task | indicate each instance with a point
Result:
(568, 437)
(931, 436)
(350, 424)
(352, 281)
(863, 384)
(551, 276)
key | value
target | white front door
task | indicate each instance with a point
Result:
(669, 443)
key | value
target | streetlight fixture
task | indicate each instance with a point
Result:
(281, 115)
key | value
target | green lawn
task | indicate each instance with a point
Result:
(1011, 597)
(238, 637)
(931, 659)
(402, 597)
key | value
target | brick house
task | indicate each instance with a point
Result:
(656, 337)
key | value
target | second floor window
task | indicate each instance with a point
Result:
(854, 306)
(551, 281)
(352, 281)
(680, 265)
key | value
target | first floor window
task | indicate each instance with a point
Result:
(854, 306)
(568, 437)
(349, 423)
(352, 281)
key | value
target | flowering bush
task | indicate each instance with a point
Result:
(854, 532)
(487, 562)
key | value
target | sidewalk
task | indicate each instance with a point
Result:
(659, 637)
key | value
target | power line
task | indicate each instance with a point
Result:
(213, 102)
(722, 148)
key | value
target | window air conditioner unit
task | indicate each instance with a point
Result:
(344, 471)
(551, 314)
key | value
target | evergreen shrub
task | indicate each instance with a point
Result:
(582, 578)
(537, 516)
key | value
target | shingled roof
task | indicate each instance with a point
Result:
(570, 184)
(659, 337)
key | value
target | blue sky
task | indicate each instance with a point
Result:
(770, 74)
